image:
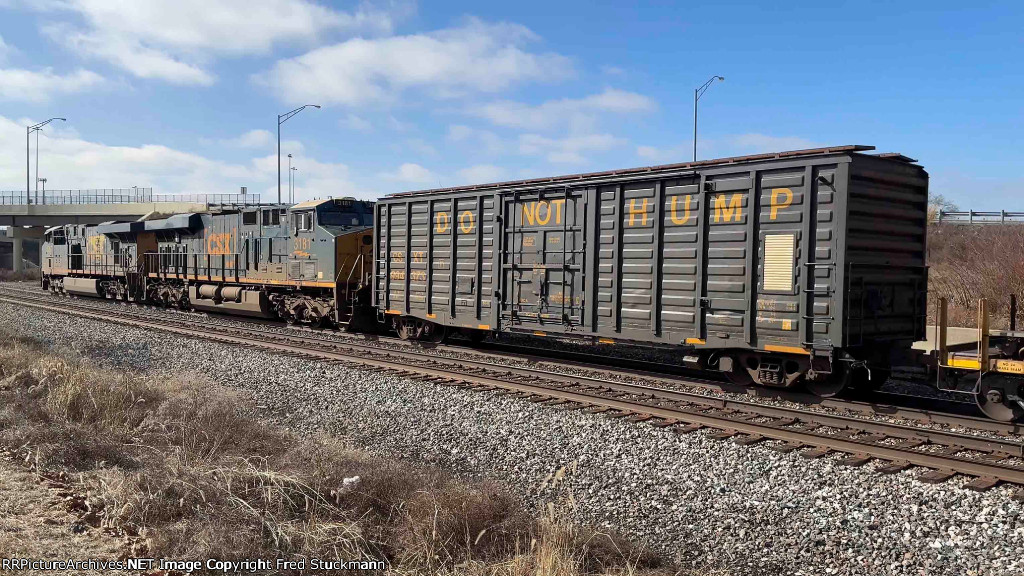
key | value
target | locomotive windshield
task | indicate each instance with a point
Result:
(344, 219)
(345, 213)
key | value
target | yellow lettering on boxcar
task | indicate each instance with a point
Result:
(642, 210)
(442, 223)
(532, 213)
(466, 222)
(776, 205)
(547, 212)
(731, 213)
(686, 210)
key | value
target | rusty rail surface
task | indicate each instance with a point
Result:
(989, 461)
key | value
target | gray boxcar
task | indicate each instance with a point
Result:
(772, 268)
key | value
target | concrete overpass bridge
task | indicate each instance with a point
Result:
(26, 216)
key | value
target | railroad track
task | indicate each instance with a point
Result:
(988, 461)
(889, 405)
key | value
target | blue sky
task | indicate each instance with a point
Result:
(183, 96)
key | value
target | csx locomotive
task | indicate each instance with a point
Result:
(796, 268)
(305, 263)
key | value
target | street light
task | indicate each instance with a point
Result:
(281, 119)
(28, 132)
(294, 179)
(696, 96)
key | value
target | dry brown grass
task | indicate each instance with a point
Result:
(971, 262)
(183, 465)
(26, 276)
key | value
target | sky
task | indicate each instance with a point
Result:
(183, 96)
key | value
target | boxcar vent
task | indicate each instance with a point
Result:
(778, 262)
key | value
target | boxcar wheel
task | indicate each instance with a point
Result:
(738, 375)
(437, 333)
(403, 328)
(828, 385)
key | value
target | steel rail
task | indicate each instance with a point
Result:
(914, 408)
(870, 408)
(782, 426)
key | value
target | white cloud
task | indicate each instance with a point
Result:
(476, 57)
(353, 122)
(483, 139)
(398, 125)
(481, 174)
(313, 179)
(578, 113)
(612, 70)
(420, 146)
(568, 150)
(39, 86)
(251, 139)
(69, 162)
(173, 40)
(5, 50)
(410, 173)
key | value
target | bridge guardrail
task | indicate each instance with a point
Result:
(121, 196)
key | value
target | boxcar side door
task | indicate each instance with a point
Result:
(543, 259)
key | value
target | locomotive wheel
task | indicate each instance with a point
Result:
(993, 397)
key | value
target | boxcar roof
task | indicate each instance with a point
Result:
(655, 169)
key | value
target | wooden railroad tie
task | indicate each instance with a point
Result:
(936, 476)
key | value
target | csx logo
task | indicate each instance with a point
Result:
(220, 243)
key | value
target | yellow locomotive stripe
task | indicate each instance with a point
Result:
(786, 349)
(539, 333)
(394, 312)
(605, 341)
(483, 327)
(694, 341)
(431, 316)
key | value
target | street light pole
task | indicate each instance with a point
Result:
(295, 171)
(289, 178)
(43, 180)
(28, 155)
(38, 130)
(696, 96)
(281, 119)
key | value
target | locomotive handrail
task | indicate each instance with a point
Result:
(208, 266)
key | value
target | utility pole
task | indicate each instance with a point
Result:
(28, 155)
(696, 96)
(281, 119)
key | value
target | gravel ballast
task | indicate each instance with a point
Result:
(704, 502)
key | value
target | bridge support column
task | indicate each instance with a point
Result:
(17, 254)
